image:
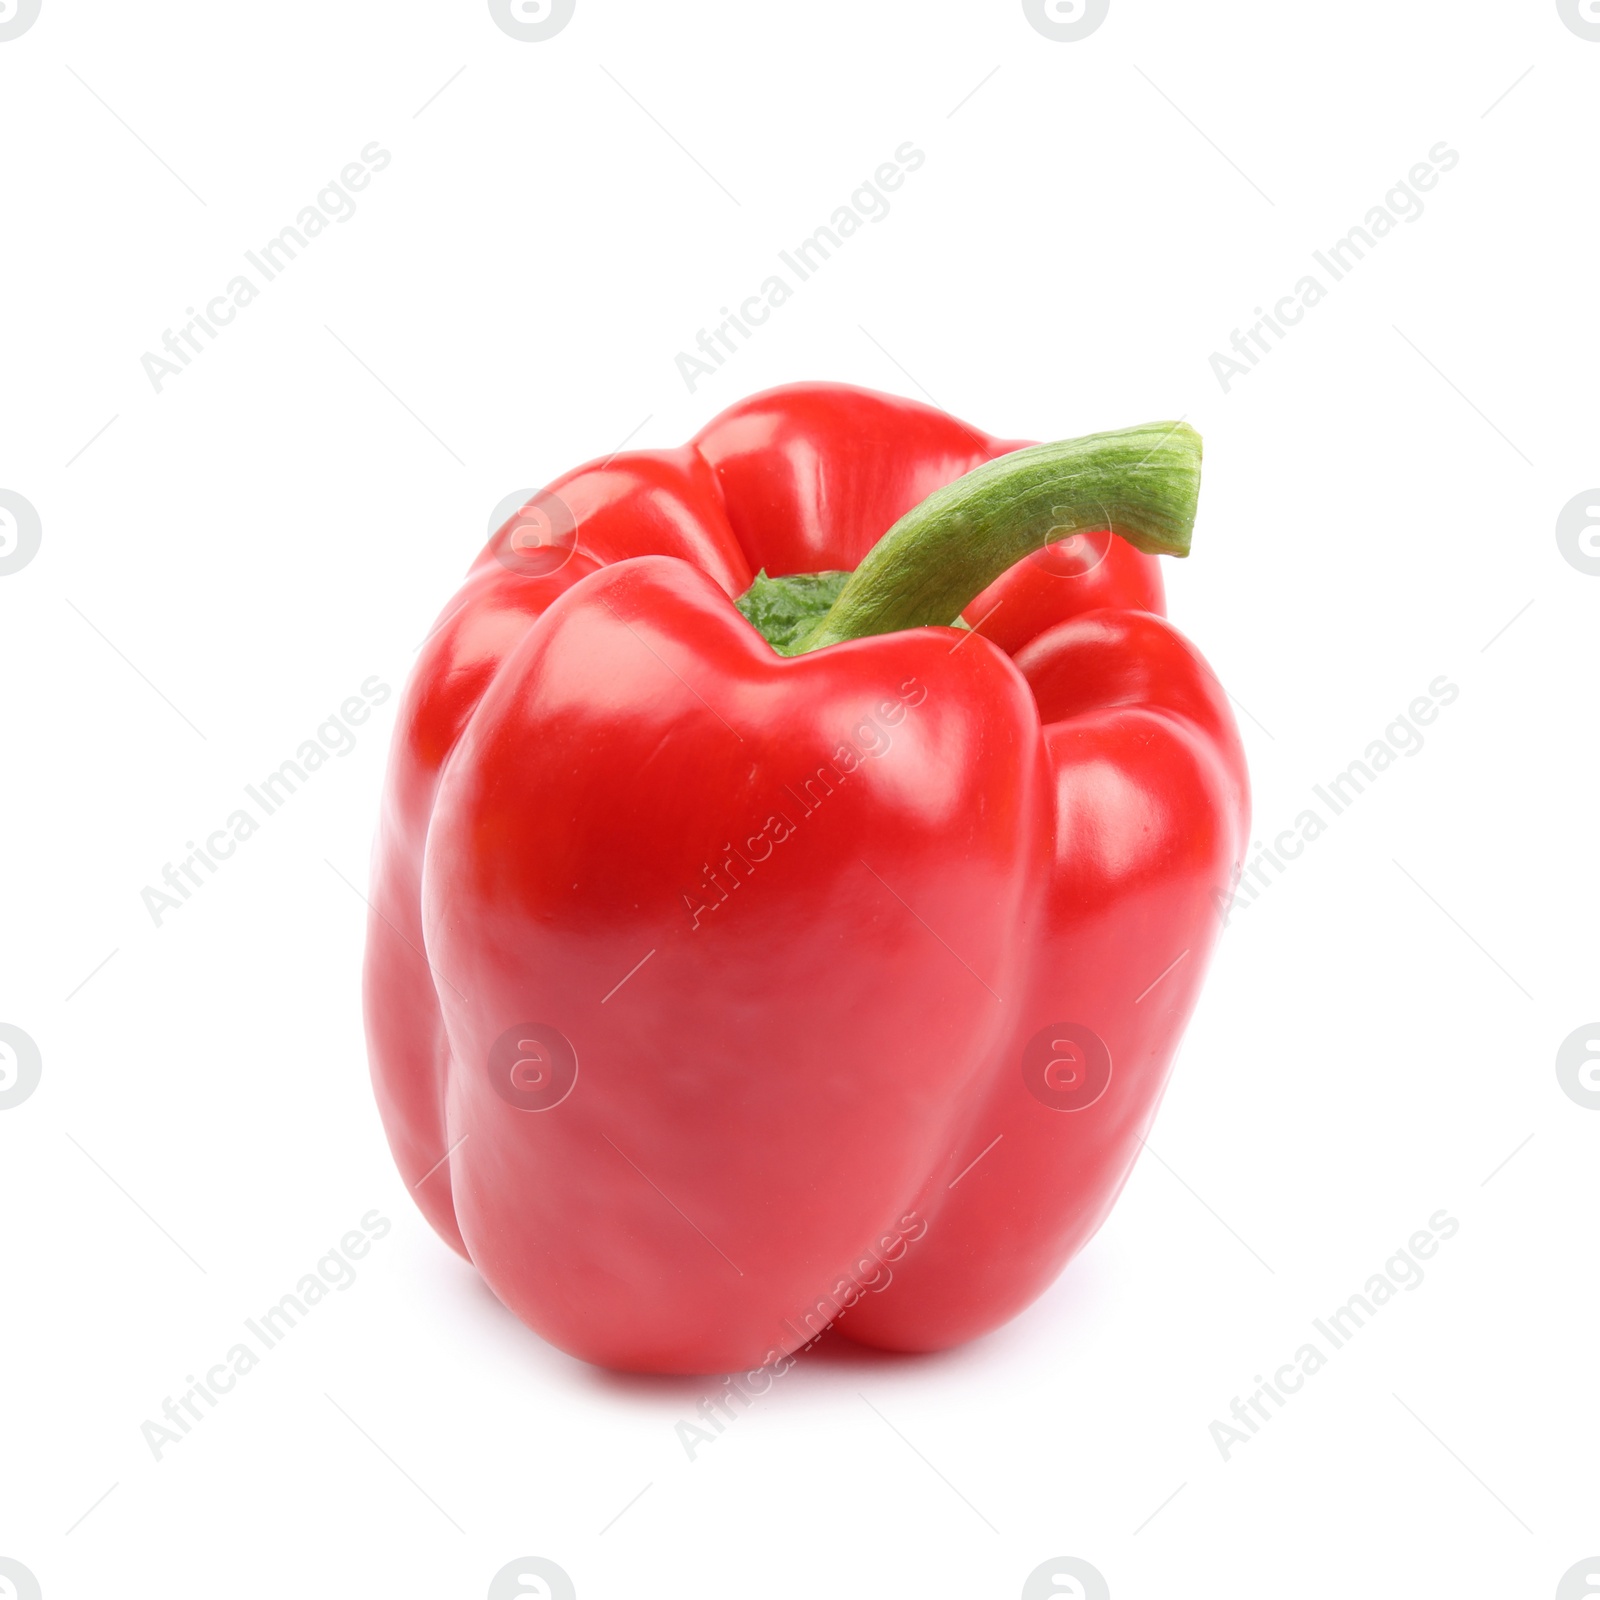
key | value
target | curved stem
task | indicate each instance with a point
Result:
(1142, 483)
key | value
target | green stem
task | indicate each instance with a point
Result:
(1141, 482)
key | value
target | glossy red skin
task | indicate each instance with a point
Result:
(776, 1112)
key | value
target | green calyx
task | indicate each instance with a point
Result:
(1143, 483)
(784, 610)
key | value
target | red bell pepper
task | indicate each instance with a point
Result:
(719, 989)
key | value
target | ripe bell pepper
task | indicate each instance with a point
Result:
(797, 865)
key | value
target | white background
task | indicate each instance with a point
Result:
(227, 560)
